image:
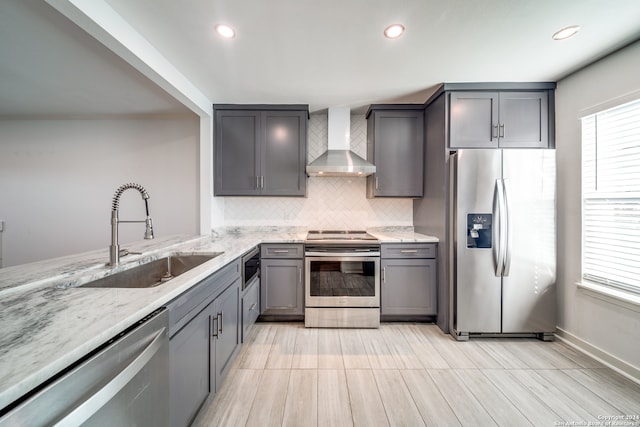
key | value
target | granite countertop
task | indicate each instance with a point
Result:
(47, 322)
(400, 235)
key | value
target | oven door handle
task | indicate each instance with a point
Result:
(342, 254)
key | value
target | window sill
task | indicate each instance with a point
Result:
(613, 296)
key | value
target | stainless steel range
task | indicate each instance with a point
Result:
(342, 279)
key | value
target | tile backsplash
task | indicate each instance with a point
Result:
(331, 202)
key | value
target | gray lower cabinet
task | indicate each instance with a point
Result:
(225, 333)
(250, 306)
(189, 369)
(500, 119)
(260, 150)
(408, 284)
(282, 286)
(395, 144)
(204, 331)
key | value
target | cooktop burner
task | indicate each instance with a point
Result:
(339, 235)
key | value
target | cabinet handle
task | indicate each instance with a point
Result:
(214, 327)
(408, 251)
(495, 131)
(502, 130)
(221, 314)
(253, 306)
(300, 274)
(377, 186)
(257, 182)
(262, 182)
(281, 251)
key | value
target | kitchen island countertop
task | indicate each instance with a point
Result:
(47, 322)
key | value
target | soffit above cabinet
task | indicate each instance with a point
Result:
(52, 68)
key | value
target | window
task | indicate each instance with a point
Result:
(611, 197)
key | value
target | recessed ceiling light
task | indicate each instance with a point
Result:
(393, 31)
(225, 31)
(566, 32)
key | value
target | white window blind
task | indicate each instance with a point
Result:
(611, 197)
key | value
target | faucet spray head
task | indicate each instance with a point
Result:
(148, 231)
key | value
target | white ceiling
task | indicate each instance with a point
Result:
(322, 53)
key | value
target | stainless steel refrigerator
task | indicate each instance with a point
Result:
(503, 234)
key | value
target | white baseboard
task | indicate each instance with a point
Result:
(607, 359)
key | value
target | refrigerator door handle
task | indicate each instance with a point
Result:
(498, 232)
(508, 228)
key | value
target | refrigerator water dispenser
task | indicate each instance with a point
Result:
(479, 234)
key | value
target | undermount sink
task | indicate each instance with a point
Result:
(153, 273)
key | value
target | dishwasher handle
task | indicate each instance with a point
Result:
(93, 404)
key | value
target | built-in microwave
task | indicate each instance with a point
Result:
(250, 267)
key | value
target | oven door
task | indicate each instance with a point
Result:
(342, 281)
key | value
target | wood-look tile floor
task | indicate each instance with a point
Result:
(412, 375)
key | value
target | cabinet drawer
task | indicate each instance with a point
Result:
(409, 250)
(273, 250)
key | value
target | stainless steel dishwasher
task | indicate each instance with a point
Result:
(123, 383)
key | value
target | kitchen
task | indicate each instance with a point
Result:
(44, 173)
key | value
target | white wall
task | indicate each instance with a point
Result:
(331, 202)
(593, 321)
(58, 177)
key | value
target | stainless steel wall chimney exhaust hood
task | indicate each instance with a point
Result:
(339, 160)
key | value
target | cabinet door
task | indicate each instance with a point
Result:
(408, 287)
(225, 334)
(189, 369)
(250, 307)
(398, 147)
(473, 119)
(284, 153)
(524, 120)
(237, 155)
(281, 286)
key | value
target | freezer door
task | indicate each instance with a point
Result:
(476, 288)
(529, 283)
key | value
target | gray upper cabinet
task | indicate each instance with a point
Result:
(472, 117)
(284, 153)
(501, 119)
(260, 150)
(237, 153)
(524, 120)
(395, 144)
